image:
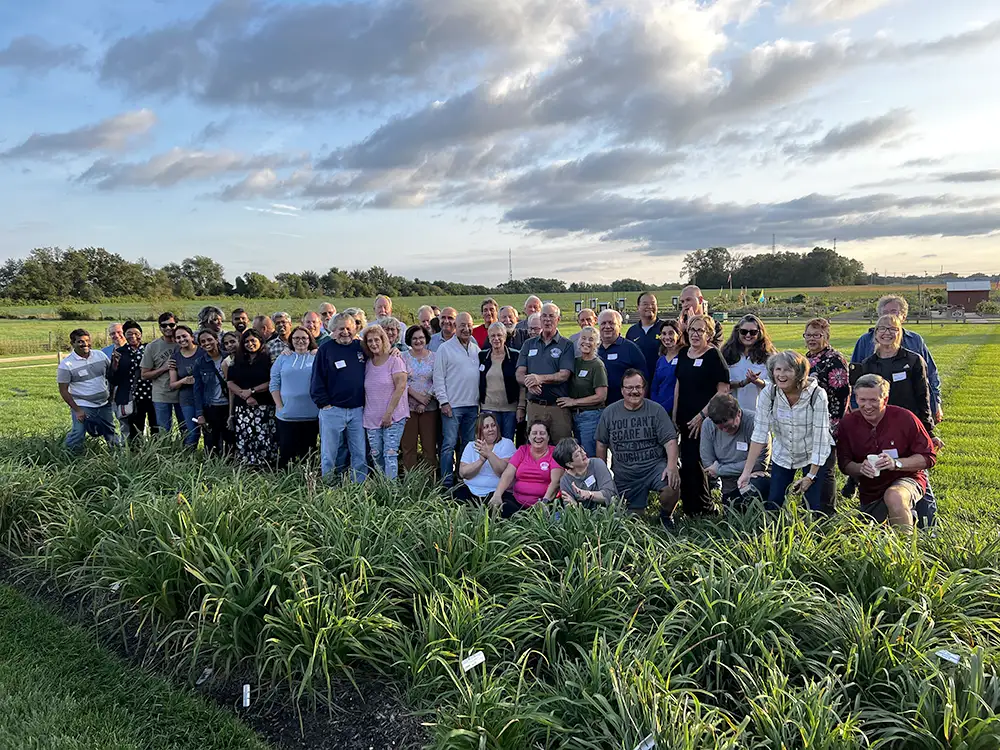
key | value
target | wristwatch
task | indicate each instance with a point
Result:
(898, 464)
(811, 477)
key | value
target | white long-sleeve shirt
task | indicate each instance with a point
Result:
(801, 432)
(456, 373)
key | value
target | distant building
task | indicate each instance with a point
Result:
(968, 294)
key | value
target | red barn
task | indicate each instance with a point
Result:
(968, 294)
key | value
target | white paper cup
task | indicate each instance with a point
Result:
(873, 459)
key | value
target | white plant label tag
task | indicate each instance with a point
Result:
(948, 656)
(647, 744)
(473, 661)
(246, 695)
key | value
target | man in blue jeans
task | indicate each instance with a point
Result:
(83, 384)
(338, 389)
(155, 366)
(456, 385)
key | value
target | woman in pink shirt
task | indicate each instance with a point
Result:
(531, 474)
(386, 405)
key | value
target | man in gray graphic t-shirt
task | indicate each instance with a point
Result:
(643, 440)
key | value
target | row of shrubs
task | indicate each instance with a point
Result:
(597, 630)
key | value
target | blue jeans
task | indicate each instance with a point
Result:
(165, 414)
(384, 442)
(98, 421)
(190, 429)
(585, 429)
(456, 431)
(782, 477)
(336, 426)
(506, 421)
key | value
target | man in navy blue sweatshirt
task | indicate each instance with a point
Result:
(338, 389)
(646, 333)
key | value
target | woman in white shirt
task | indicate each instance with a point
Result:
(746, 354)
(483, 461)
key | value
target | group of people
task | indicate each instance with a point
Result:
(522, 414)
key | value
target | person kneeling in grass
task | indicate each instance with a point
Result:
(725, 443)
(587, 481)
(887, 450)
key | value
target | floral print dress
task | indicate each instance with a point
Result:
(830, 370)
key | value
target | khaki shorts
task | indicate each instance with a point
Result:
(910, 490)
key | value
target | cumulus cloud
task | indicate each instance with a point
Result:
(326, 55)
(33, 54)
(178, 165)
(265, 183)
(823, 11)
(113, 134)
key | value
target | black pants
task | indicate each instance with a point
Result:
(461, 493)
(296, 440)
(142, 412)
(696, 498)
(216, 431)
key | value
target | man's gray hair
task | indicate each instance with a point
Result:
(428, 308)
(275, 317)
(872, 380)
(904, 306)
(614, 313)
(554, 306)
(339, 318)
(112, 325)
(792, 360)
(536, 317)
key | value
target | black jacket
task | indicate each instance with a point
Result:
(509, 367)
(121, 379)
(907, 377)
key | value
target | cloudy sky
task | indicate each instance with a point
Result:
(595, 139)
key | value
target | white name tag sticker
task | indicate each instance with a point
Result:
(698, 362)
(582, 374)
(674, 361)
(475, 660)
(613, 356)
(340, 364)
(482, 368)
(589, 481)
(897, 376)
(891, 452)
(532, 352)
(741, 446)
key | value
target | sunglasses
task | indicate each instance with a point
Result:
(168, 325)
(749, 332)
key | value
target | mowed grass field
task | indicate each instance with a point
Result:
(758, 632)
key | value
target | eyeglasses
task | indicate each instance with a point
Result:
(632, 388)
(699, 331)
(884, 329)
(812, 335)
(749, 332)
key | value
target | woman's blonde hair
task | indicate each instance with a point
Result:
(378, 331)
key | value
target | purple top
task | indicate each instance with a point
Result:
(378, 393)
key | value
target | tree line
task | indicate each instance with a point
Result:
(93, 274)
(821, 266)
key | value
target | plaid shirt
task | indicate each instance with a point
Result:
(275, 346)
(801, 432)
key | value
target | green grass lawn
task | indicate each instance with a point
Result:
(59, 690)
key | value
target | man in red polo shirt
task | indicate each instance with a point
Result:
(490, 310)
(888, 451)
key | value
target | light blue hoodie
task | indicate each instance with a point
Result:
(291, 374)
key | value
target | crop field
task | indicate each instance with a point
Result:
(597, 631)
